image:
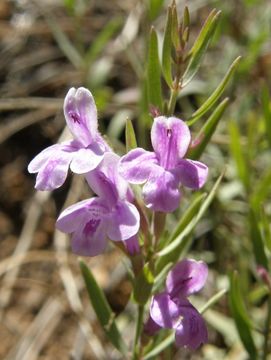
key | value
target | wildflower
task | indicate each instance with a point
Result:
(171, 309)
(108, 215)
(82, 154)
(165, 169)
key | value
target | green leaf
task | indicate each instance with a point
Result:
(155, 7)
(214, 299)
(261, 189)
(200, 46)
(267, 112)
(160, 347)
(102, 309)
(143, 285)
(189, 214)
(241, 317)
(177, 245)
(130, 137)
(237, 153)
(216, 94)
(154, 73)
(266, 229)
(207, 131)
(175, 27)
(167, 46)
(257, 240)
(98, 45)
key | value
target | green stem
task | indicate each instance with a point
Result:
(172, 101)
(267, 327)
(139, 323)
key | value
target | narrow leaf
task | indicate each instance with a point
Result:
(206, 132)
(237, 153)
(177, 243)
(240, 316)
(266, 229)
(167, 46)
(257, 240)
(154, 73)
(63, 42)
(175, 27)
(200, 46)
(160, 347)
(216, 94)
(130, 137)
(267, 112)
(155, 7)
(261, 189)
(102, 309)
(101, 40)
(188, 215)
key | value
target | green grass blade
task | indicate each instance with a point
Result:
(102, 309)
(101, 40)
(267, 112)
(257, 240)
(207, 131)
(216, 94)
(154, 73)
(241, 318)
(200, 46)
(237, 153)
(64, 43)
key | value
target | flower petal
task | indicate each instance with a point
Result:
(164, 311)
(186, 277)
(150, 327)
(124, 221)
(87, 159)
(54, 172)
(77, 213)
(170, 140)
(81, 115)
(161, 191)
(191, 331)
(192, 174)
(90, 242)
(132, 245)
(40, 160)
(136, 166)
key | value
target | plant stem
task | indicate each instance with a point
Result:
(267, 327)
(139, 323)
(172, 101)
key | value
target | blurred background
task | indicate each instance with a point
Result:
(48, 46)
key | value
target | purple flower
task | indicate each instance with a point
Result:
(82, 154)
(165, 169)
(171, 309)
(108, 215)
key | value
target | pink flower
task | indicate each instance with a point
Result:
(165, 169)
(82, 154)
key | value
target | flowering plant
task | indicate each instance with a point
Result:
(135, 221)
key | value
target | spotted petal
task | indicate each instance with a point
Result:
(170, 140)
(81, 115)
(186, 278)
